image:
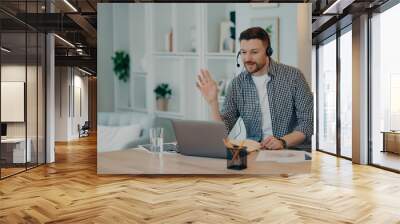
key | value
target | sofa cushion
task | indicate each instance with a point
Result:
(126, 118)
(111, 138)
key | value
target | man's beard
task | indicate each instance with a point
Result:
(255, 68)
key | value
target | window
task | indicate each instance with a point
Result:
(327, 96)
(346, 93)
(385, 89)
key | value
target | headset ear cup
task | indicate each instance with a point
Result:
(237, 59)
(269, 51)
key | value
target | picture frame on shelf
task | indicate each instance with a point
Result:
(271, 25)
(226, 43)
(168, 44)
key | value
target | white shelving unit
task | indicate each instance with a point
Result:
(195, 40)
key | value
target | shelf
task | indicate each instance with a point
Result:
(216, 13)
(187, 30)
(139, 73)
(125, 109)
(142, 110)
(162, 25)
(175, 54)
(168, 114)
(221, 55)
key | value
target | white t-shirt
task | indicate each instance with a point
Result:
(261, 85)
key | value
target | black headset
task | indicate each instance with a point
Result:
(268, 51)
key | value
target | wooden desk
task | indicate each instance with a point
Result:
(139, 161)
(391, 141)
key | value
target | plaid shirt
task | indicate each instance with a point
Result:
(290, 103)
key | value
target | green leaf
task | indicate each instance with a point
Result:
(121, 65)
(163, 90)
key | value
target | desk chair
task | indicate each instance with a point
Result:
(84, 130)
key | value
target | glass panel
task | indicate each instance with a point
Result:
(327, 97)
(31, 84)
(31, 98)
(23, 91)
(13, 87)
(41, 98)
(385, 89)
(346, 94)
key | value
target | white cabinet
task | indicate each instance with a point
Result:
(17, 148)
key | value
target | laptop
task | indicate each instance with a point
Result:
(200, 138)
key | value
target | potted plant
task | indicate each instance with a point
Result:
(163, 93)
(121, 65)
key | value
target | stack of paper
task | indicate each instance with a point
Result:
(281, 156)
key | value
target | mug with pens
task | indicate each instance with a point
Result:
(236, 155)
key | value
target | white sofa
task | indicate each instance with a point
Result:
(123, 130)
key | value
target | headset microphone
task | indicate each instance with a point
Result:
(237, 60)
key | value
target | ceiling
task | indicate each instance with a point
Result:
(76, 22)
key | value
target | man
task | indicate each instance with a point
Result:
(274, 100)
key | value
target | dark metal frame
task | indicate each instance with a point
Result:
(316, 96)
(0, 91)
(338, 34)
(369, 90)
(381, 9)
(44, 75)
(338, 98)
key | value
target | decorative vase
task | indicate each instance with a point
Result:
(162, 104)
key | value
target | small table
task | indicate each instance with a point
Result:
(391, 141)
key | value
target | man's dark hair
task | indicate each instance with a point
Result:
(255, 33)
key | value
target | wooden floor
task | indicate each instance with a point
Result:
(70, 191)
(10, 171)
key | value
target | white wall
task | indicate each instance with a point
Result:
(314, 90)
(304, 40)
(12, 73)
(67, 79)
(61, 103)
(105, 74)
(294, 31)
(33, 126)
(82, 83)
(50, 93)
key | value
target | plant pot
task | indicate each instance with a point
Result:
(162, 104)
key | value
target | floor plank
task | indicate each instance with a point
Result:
(70, 191)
